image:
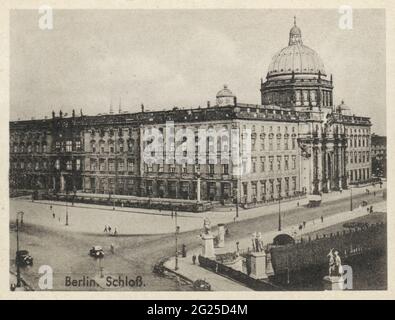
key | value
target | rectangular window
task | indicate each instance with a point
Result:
(225, 169)
(279, 163)
(111, 166)
(102, 165)
(130, 165)
(69, 165)
(78, 164)
(78, 145)
(121, 165)
(93, 164)
(262, 164)
(211, 169)
(293, 162)
(69, 146)
(286, 163)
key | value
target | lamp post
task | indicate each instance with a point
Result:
(67, 211)
(279, 213)
(176, 240)
(18, 271)
(350, 198)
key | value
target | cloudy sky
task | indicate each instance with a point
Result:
(167, 58)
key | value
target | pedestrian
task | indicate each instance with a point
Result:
(112, 248)
(194, 259)
(109, 229)
(371, 209)
(105, 229)
(304, 224)
(115, 231)
(53, 215)
(322, 219)
(300, 227)
(297, 204)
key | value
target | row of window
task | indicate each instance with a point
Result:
(285, 143)
(43, 165)
(271, 186)
(359, 174)
(67, 146)
(282, 162)
(358, 157)
(355, 142)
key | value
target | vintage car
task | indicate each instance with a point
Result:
(201, 285)
(23, 258)
(314, 200)
(96, 252)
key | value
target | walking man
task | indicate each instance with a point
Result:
(105, 228)
(194, 259)
(322, 219)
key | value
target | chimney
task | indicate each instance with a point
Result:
(142, 107)
(235, 101)
(120, 105)
(73, 113)
(208, 104)
(60, 113)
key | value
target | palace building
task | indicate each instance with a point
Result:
(301, 143)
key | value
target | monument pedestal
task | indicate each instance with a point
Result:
(258, 265)
(334, 283)
(208, 246)
(221, 235)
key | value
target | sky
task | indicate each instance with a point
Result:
(165, 58)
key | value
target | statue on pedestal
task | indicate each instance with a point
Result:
(335, 264)
(207, 226)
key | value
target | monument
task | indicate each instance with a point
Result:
(221, 235)
(257, 258)
(208, 240)
(334, 280)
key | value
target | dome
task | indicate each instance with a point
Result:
(225, 92)
(296, 58)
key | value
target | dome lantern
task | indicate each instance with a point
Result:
(295, 34)
(225, 97)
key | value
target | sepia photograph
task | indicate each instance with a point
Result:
(230, 150)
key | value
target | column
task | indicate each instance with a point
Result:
(198, 189)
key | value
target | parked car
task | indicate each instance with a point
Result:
(23, 258)
(96, 252)
(201, 285)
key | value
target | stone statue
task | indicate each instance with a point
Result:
(335, 264)
(207, 226)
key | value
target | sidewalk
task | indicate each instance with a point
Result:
(194, 272)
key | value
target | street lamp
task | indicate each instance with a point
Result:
(279, 213)
(18, 271)
(176, 239)
(67, 211)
